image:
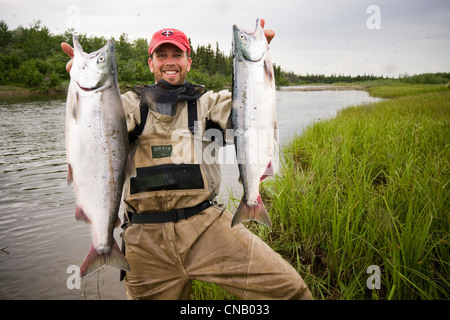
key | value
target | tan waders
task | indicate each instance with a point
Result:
(165, 257)
(171, 238)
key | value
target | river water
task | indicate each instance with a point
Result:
(40, 241)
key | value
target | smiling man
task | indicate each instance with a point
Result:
(169, 59)
(175, 231)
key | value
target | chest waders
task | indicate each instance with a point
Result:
(163, 190)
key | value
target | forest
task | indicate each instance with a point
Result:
(32, 57)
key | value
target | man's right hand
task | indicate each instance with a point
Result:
(69, 50)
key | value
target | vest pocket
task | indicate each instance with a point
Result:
(167, 177)
(161, 184)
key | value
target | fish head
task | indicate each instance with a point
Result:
(95, 70)
(250, 46)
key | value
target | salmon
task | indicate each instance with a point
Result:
(254, 118)
(97, 151)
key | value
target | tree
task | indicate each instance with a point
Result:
(5, 35)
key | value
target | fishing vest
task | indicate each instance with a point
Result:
(168, 149)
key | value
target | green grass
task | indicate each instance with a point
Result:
(369, 187)
(403, 89)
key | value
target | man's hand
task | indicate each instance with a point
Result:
(69, 50)
(267, 32)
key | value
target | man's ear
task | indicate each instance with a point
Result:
(150, 64)
(189, 64)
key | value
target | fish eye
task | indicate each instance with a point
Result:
(101, 59)
(242, 36)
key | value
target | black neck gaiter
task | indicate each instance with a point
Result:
(163, 96)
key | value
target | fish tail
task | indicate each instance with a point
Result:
(256, 213)
(95, 260)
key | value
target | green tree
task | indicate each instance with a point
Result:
(5, 34)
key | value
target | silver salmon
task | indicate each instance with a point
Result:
(97, 150)
(254, 118)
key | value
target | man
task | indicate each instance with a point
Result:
(175, 231)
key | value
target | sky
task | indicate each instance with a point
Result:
(349, 37)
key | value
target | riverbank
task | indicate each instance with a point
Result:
(16, 90)
(19, 93)
(60, 91)
(322, 87)
(368, 188)
(381, 89)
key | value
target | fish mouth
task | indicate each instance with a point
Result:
(86, 89)
(93, 88)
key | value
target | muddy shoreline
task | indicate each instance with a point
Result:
(18, 92)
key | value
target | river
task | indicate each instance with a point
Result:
(39, 237)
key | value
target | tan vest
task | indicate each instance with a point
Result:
(175, 168)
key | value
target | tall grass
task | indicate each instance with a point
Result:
(370, 187)
(403, 89)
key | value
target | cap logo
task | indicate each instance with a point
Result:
(167, 33)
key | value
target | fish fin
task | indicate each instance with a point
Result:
(240, 180)
(75, 107)
(118, 223)
(268, 172)
(81, 216)
(95, 260)
(256, 213)
(69, 174)
(268, 71)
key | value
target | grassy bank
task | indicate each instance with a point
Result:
(403, 89)
(369, 187)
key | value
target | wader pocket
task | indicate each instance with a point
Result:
(167, 177)
(162, 185)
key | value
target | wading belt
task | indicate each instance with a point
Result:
(170, 216)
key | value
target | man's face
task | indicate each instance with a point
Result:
(170, 63)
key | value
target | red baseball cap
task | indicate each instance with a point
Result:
(168, 35)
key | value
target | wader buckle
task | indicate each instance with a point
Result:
(178, 214)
